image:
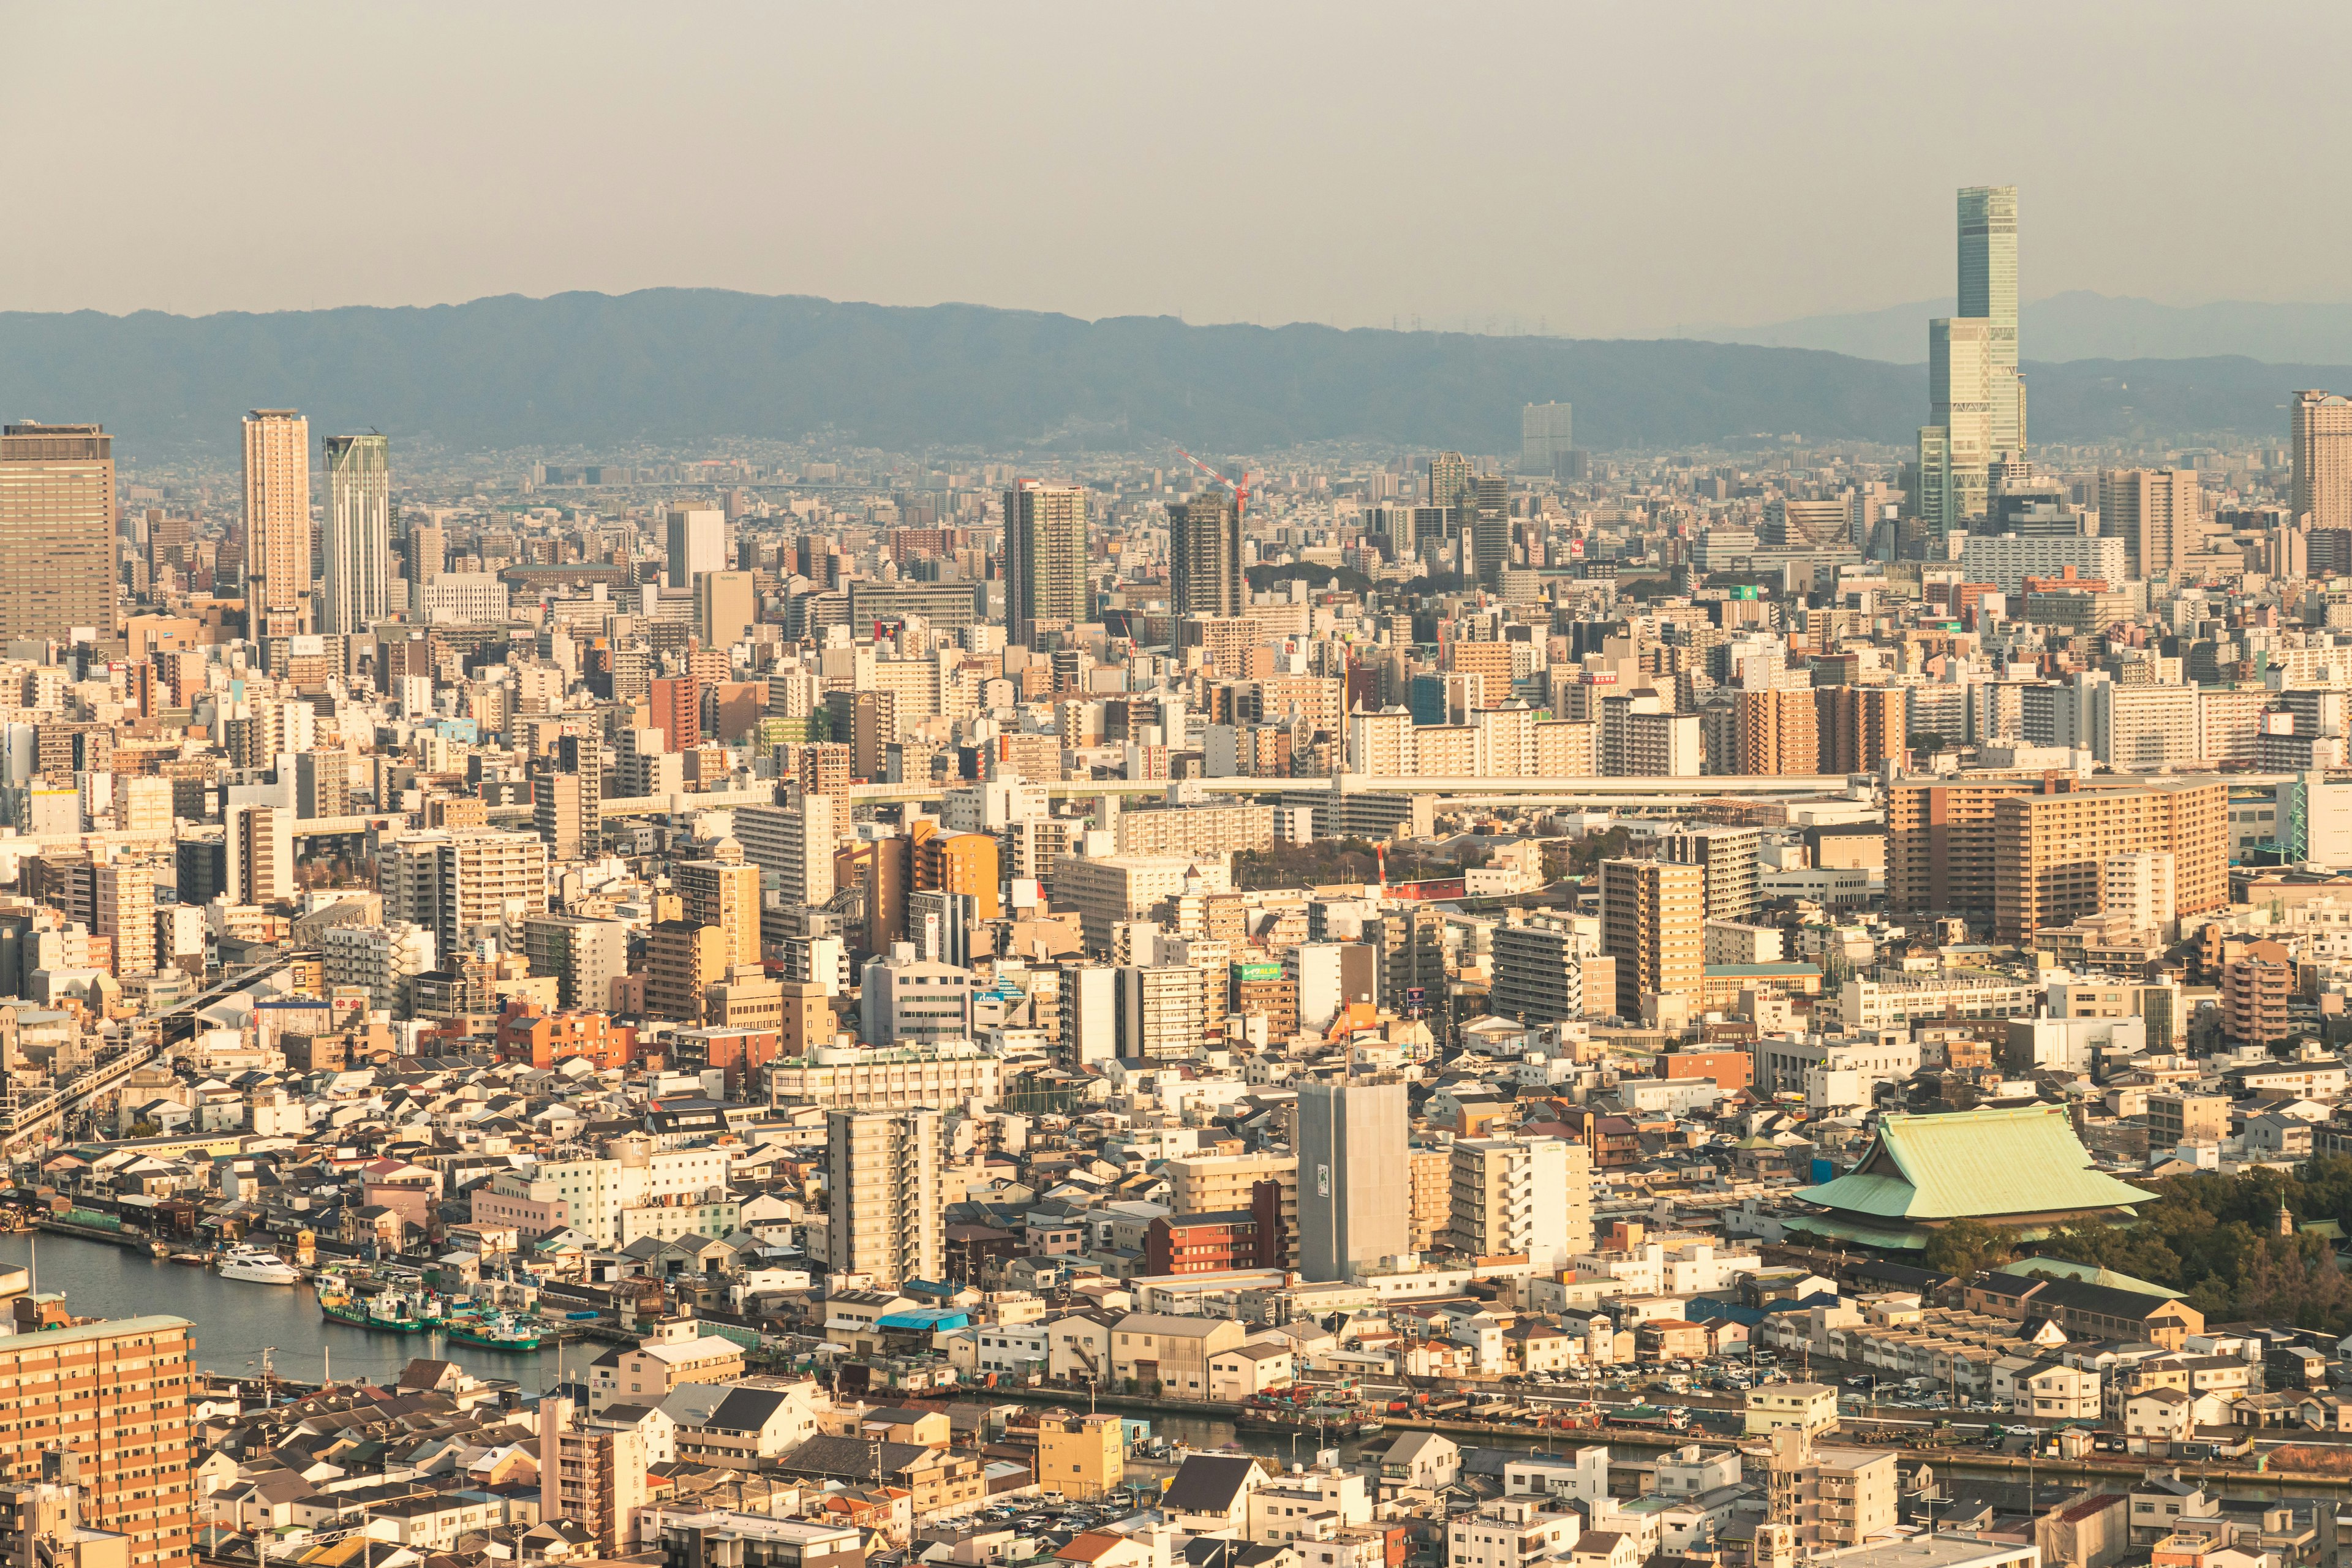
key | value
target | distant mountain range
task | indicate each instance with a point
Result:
(595, 372)
(2081, 325)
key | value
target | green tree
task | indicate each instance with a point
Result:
(1967, 1245)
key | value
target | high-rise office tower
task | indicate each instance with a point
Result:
(697, 540)
(277, 521)
(1952, 464)
(57, 530)
(1654, 923)
(1486, 518)
(1355, 1206)
(884, 1217)
(2320, 436)
(113, 1393)
(1988, 292)
(1521, 1198)
(357, 591)
(1976, 398)
(1449, 476)
(1204, 556)
(1045, 557)
(1547, 434)
(2159, 514)
(726, 604)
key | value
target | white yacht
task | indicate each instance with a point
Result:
(257, 1267)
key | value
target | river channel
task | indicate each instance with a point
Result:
(236, 1322)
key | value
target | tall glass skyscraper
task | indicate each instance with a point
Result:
(357, 543)
(1989, 291)
(1975, 399)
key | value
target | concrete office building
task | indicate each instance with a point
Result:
(57, 530)
(1546, 434)
(1044, 558)
(2320, 440)
(1654, 923)
(884, 1212)
(356, 544)
(1204, 556)
(1355, 1206)
(697, 541)
(277, 521)
(1521, 1198)
(725, 605)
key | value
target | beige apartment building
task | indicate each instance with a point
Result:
(2050, 851)
(890, 1077)
(277, 519)
(115, 1392)
(57, 530)
(1220, 1183)
(1654, 923)
(2320, 436)
(1832, 1497)
(885, 1213)
(454, 883)
(1124, 888)
(1195, 830)
(715, 893)
(2159, 514)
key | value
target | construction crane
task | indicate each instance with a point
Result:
(1241, 490)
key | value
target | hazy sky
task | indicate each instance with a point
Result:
(1601, 170)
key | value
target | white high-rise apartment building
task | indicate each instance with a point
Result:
(1528, 1197)
(2140, 885)
(384, 961)
(357, 544)
(277, 518)
(698, 543)
(796, 842)
(454, 883)
(884, 1217)
(2158, 514)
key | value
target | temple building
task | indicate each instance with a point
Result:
(2021, 1168)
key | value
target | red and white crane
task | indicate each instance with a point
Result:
(1241, 490)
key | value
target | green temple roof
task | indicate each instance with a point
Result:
(1974, 1164)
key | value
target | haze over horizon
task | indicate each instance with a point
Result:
(1525, 169)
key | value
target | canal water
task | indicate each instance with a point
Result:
(236, 1322)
